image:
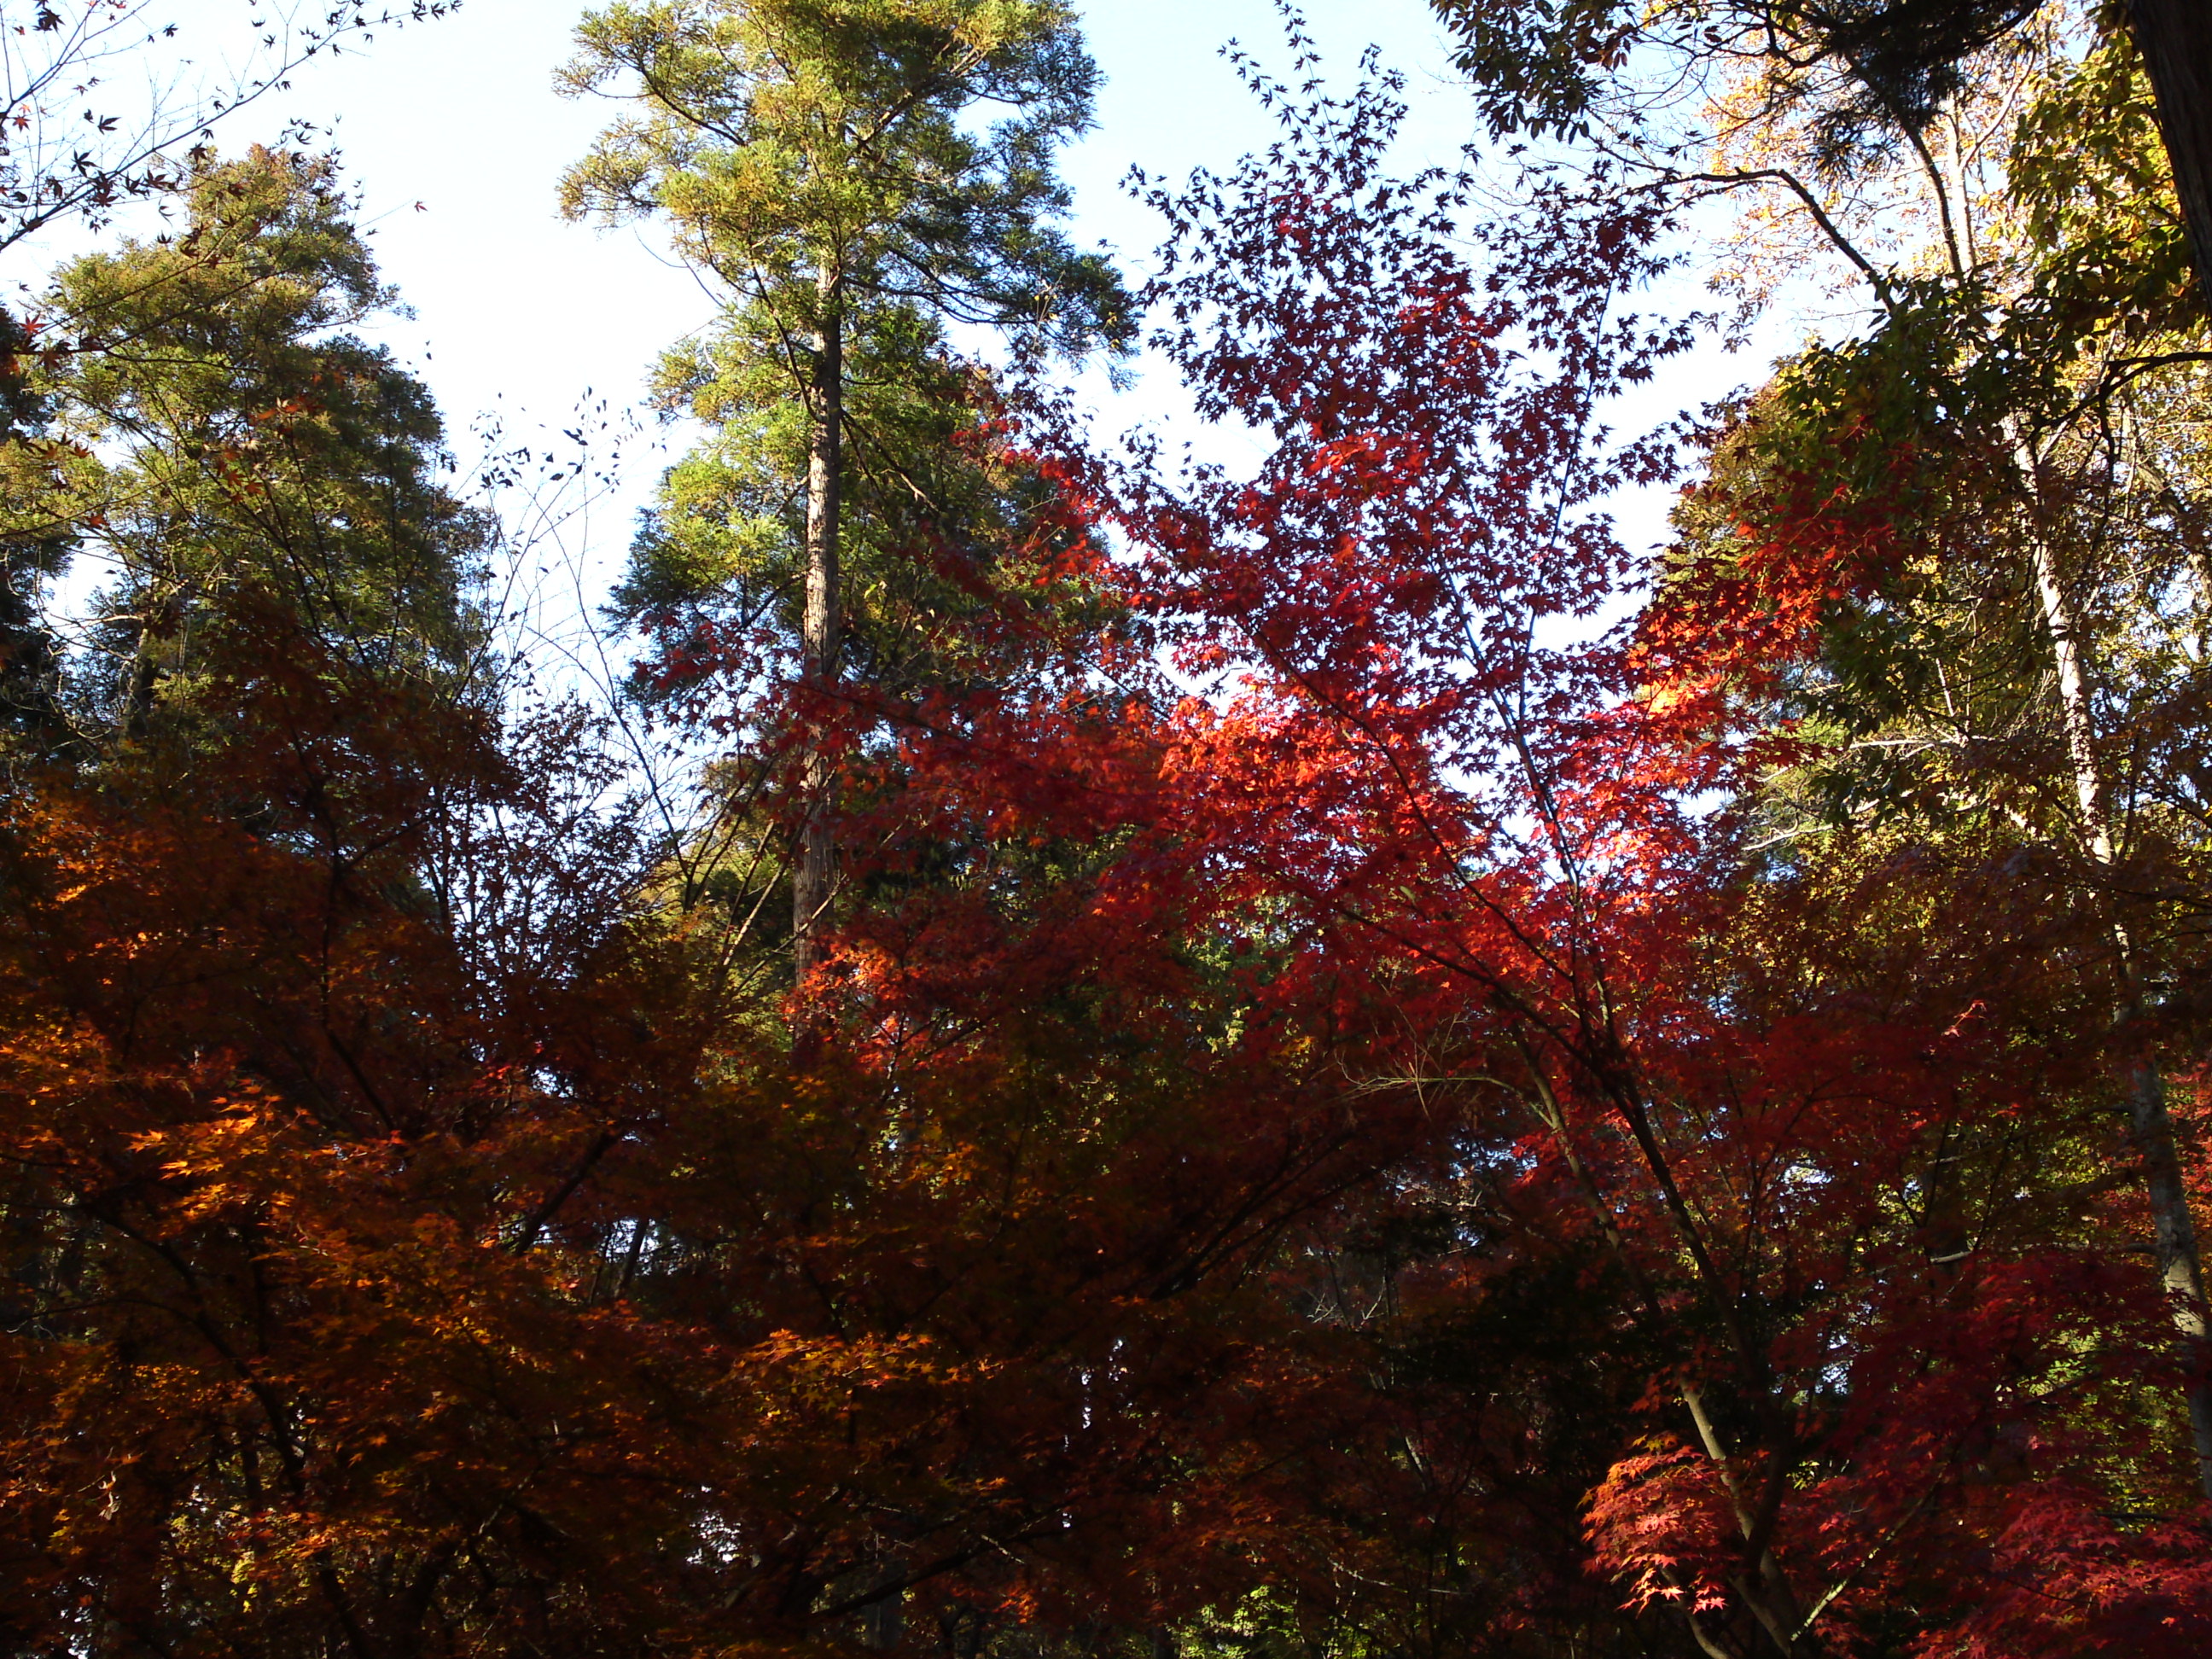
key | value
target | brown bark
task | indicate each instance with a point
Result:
(813, 872)
(138, 690)
(2175, 39)
(159, 621)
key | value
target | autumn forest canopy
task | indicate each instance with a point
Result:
(1345, 1043)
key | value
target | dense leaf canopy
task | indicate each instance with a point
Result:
(1362, 1067)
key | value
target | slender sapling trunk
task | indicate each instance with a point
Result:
(2179, 1265)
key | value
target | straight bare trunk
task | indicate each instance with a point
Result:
(2180, 1266)
(2175, 39)
(814, 870)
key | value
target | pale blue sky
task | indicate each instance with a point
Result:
(453, 135)
(519, 311)
(515, 305)
(460, 115)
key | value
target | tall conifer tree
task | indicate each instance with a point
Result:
(216, 434)
(825, 165)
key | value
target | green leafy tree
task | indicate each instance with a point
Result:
(830, 166)
(216, 432)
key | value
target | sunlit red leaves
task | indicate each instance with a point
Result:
(1716, 649)
(1412, 790)
(1660, 1521)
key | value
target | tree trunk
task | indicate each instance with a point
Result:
(2175, 39)
(157, 620)
(813, 872)
(2180, 1267)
